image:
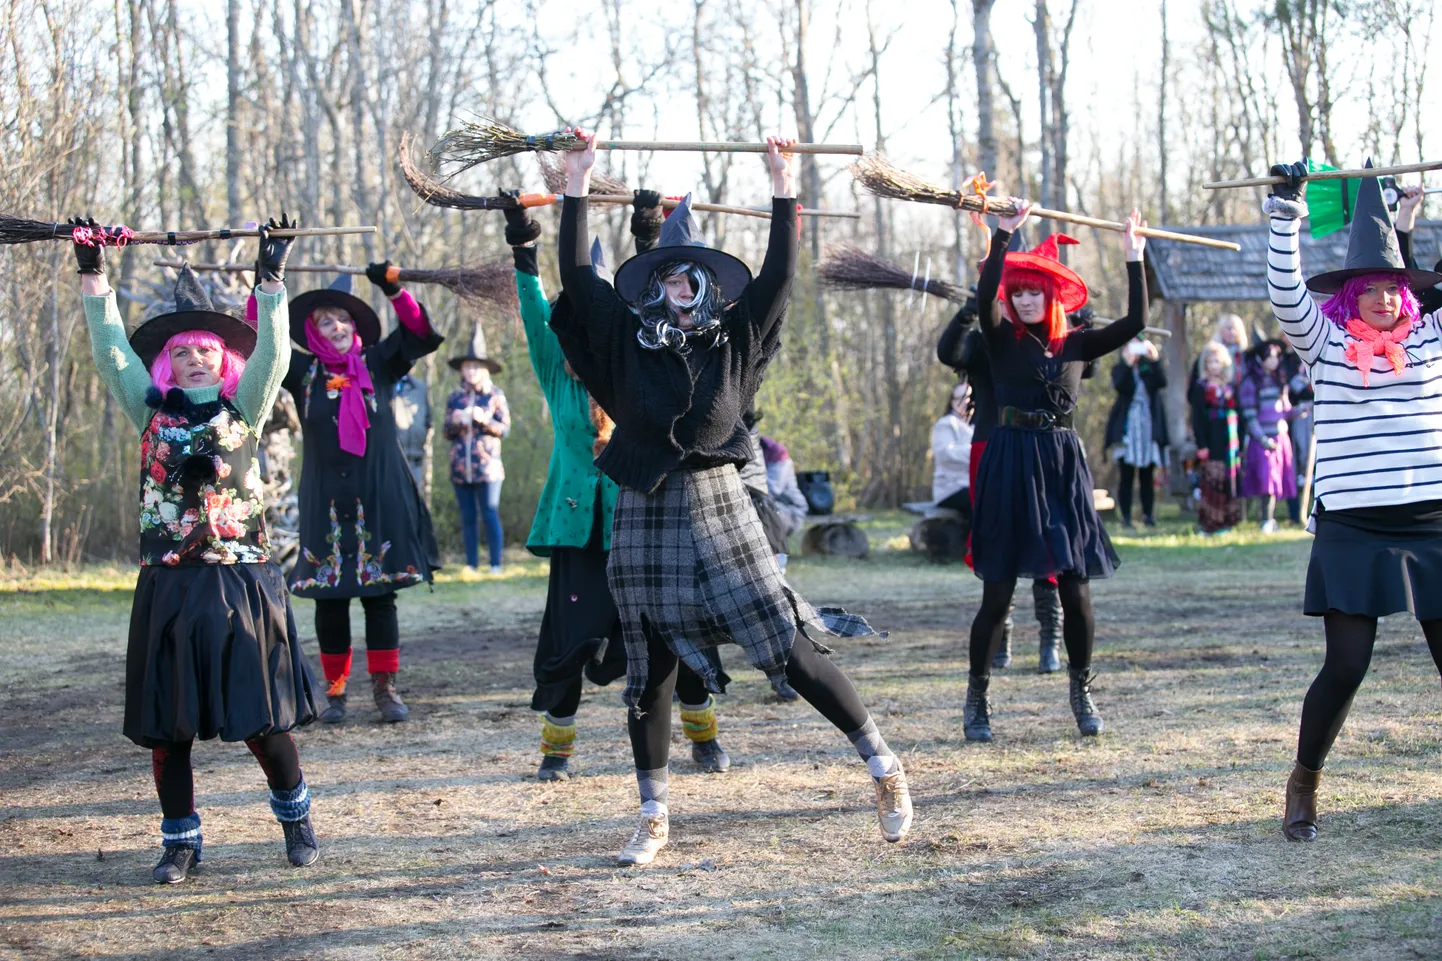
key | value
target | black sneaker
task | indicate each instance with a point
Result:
(710, 756)
(301, 846)
(554, 769)
(175, 865)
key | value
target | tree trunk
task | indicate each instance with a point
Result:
(1166, 210)
(1178, 356)
(232, 113)
(889, 471)
(953, 123)
(981, 56)
(1041, 27)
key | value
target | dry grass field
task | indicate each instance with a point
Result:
(1158, 840)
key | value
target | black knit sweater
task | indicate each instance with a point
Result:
(671, 411)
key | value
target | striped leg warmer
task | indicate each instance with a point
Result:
(873, 750)
(558, 735)
(654, 786)
(181, 833)
(292, 805)
(699, 721)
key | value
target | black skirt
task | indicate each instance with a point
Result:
(1377, 561)
(581, 629)
(1034, 515)
(213, 652)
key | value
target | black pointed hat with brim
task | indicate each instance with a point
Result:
(477, 352)
(193, 311)
(1372, 246)
(338, 294)
(676, 245)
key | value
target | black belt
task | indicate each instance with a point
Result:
(1038, 419)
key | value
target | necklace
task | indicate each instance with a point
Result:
(1045, 349)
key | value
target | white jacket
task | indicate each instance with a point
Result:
(951, 456)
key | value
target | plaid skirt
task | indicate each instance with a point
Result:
(690, 565)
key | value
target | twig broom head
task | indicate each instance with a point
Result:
(18, 230)
(553, 172)
(483, 139)
(436, 193)
(851, 268)
(882, 178)
(494, 282)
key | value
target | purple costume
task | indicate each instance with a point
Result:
(1265, 406)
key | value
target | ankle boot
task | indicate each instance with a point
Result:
(1299, 820)
(1088, 721)
(334, 712)
(388, 702)
(1047, 600)
(976, 716)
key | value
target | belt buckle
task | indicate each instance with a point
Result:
(1045, 418)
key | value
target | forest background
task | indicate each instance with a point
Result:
(166, 114)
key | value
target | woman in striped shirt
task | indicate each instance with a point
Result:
(1376, 365)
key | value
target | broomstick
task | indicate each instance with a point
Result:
(851, 268)
(437, 194)
(1328, 175)
(483, 139)
(877, 175)
(493, 282)
(18, 230)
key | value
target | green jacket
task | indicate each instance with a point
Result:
(567, 506)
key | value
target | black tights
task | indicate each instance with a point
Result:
(1350, 639)
(814, 677)
(1144, 476)
(175, 779)
(332, 623)
(1079, 626)
(689, 687)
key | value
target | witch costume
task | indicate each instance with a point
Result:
(1034, 515)
(581, 628)
(1378, 480)
(365, 530)
(213, 649)
(690, 567)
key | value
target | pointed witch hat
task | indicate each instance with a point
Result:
(674, 246)
(193, 311)
(338, 294)
(1372, 245)
(1071, 291)
(477, 352)
(598, 261)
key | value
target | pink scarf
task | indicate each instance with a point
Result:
(354, 420)
(1369, 342)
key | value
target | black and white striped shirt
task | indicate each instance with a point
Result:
(1377, 445)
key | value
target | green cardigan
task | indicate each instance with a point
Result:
(567, 506)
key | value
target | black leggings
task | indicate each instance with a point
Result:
(1078, 622)
(332, 623)
(175, 779)
(1144, 476)
(689, 687)
(814, 677)
(1350, 639)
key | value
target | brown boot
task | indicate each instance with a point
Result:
(388, 702)
(1299, 822)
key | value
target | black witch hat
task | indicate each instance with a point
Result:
(338, 294)
(477, 352)
(193, 311)
(1372, 245)
(674, 246)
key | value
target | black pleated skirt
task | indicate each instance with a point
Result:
(1034, 515)
(213, 652)
(1377, 561)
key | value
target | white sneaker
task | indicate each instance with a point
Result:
(495, 569)
(1269, 527)
(650, 837)
(893, 805)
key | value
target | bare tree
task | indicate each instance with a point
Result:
(982, 55)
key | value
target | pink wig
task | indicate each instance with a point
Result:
(231, 363)
(1342, 306)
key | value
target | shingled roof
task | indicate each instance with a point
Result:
(1188, 273)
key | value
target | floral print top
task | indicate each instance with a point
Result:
(475, 424)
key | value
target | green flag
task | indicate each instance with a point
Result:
(1330, 202)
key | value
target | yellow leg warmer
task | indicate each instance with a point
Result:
(700, 726)
(557, 740)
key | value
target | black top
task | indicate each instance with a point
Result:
(1154, 379)
(1024, 376)
(671, 410)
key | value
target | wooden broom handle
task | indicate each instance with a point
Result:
(189, 236)
(848, 149)
(546, 200)
(1328, 175)
(236, 268)
(1072, 218)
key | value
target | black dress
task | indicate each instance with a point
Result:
(364, 527)
(1034, 515)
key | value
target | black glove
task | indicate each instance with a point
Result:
(1296, 175)
(88, 259)
(1082, 318)
(648, 216)
(376, 274)
(270, 260)
(520, 228)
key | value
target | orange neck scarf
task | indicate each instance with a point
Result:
(1369, 342)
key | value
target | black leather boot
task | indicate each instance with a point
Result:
(976, 716)
(1088, 721)
(1047, 600)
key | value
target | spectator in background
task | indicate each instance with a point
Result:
(412, 409)
(951, 453)
(1214, 424)
(1137, 426)
(1299, 388)
(1267, 468)
(1231, 333)
(476, 419)
(781, 481)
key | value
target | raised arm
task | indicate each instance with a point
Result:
(948, 348)
(1099, 341)
(117, 362)
(270, 361)
(770, 291)
(1302, 323)
(577, 274)
(523, 233)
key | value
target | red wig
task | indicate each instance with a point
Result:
(1053, 317)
